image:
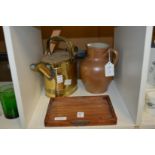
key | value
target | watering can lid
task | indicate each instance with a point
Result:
(56, 57)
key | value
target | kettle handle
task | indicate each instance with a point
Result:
(115, 61)
(56, 39)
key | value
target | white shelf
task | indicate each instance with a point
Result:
(124, 119)
(9, 123)
(148, 120)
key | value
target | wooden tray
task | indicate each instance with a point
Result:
(80, 111)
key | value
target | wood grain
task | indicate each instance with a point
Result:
(79, 31)
(5, 71)
(98, 110)
(153, 36)
(1, 34)
(2, 42)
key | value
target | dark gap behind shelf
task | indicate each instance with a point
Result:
(5, 74)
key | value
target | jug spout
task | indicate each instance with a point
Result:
(42, 68)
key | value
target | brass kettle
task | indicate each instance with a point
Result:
(59, 69)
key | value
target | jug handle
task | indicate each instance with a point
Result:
(115, 61)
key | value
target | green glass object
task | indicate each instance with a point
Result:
(8, 101)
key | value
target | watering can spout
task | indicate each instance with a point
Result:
(42, 68)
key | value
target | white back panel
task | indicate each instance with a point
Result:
(129, 41)
(24, 46)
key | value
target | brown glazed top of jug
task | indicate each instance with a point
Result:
(94, 52)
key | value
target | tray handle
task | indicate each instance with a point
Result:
(80, 122)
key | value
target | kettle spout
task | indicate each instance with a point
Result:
(42, 68)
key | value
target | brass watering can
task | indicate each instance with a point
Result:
(59, 69)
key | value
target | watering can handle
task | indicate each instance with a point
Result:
(56, 39)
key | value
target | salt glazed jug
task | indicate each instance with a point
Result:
(92, 68)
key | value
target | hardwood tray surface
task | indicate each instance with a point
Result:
(80, 111)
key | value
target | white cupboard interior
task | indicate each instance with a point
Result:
(127, 90)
